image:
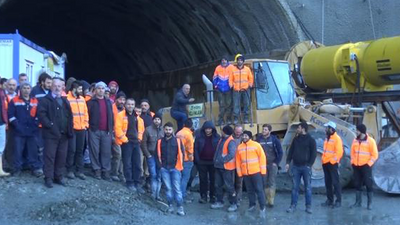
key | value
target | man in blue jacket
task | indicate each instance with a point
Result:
(178, 109)
(273, 150)
(221, 85)
(22, 114)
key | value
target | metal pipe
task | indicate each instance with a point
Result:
(209, 87)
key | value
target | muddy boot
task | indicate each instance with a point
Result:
(2, 173)
(358, 200)
(370, 195)
(272, 197)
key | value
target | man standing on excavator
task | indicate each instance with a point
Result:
(241, 79)
(221, 84)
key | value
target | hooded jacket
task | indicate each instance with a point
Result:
(113, 96)
(201, 140)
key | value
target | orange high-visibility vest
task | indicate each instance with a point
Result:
(186, 135)
(333, 150)
(179, 161)
(364, 152)
(79, 112)
(231, 165)
(250, 159)
(241, 79)
(121, 127)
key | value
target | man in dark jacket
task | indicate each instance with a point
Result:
(178, 109)
(302, 152)
(224, 163)
(205, 146)
(3, 125)
(273, 150)
(55, 115)
(22, 114)
(101, 124)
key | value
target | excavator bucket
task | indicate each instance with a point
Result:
(386, 173)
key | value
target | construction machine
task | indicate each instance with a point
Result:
(348, 84)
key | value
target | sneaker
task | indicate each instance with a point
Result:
(71, 175)
(232, 208)
(203, 200)
(170, 209)
(263, 212)
(308, 209)
(60, 182)
(37, 173)
(337, 205)
(327, 203)
(251, 208)
(81, 176)
(97, 174)
(291, 209)
(115, 178)
(180, 211)
(48, 183)
(217, 205)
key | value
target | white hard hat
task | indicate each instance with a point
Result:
(330, 124)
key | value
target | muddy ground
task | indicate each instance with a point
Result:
(25, 200)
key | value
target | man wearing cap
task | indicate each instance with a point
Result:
(116, 163)
(101, 124)
(148, 146)
(302, 152)
(76, 144)
(55, 115)
(241, 79)
(113, 90)
(221, 84)
(224, 163)
(22, 114)
(251, 163)
(146, 115)
(364, 154)
(333, 152)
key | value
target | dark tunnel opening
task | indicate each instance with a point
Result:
(128, 40)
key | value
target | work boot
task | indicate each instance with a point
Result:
(217, 205)
(2, 173)
(308, 209)
(203, 200)
(291, 209)
(232, 208)
(337, 204)
(180, 211)
(48, 182)
(115, 178)
(369, 195)
(37, 173)
(272, 197)
(81, 176)
(70, 175)
(60, 182)
(327, 203)
(106, 176)
(358, 200)
(97, 174)
(251, 208)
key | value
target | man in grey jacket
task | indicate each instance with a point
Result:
(224, 164)
(148, 146)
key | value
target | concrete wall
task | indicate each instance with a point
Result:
(348, 20)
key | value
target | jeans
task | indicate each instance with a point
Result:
(131, 161)
(28, 144)
(227, 178)
(332, 182)
(75, 151)
(155, 177)
(299, 172)
(180, 118)
(362, 175)
(187, 168)
(207, 178)
(241, 96)
(254, 185)
(172, 181)
(2, 138)
(225, 105)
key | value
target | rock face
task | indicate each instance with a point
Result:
(127, 38)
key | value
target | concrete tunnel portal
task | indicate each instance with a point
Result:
(128, 41)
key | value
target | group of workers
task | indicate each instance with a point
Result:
(47, 129)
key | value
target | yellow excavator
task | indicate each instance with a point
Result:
(348, 84)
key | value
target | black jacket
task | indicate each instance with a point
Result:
(201, 139)
(180, 102)
(169, 153)
(303, 151)
(276, 146)
(47, 110)
(94, 114)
